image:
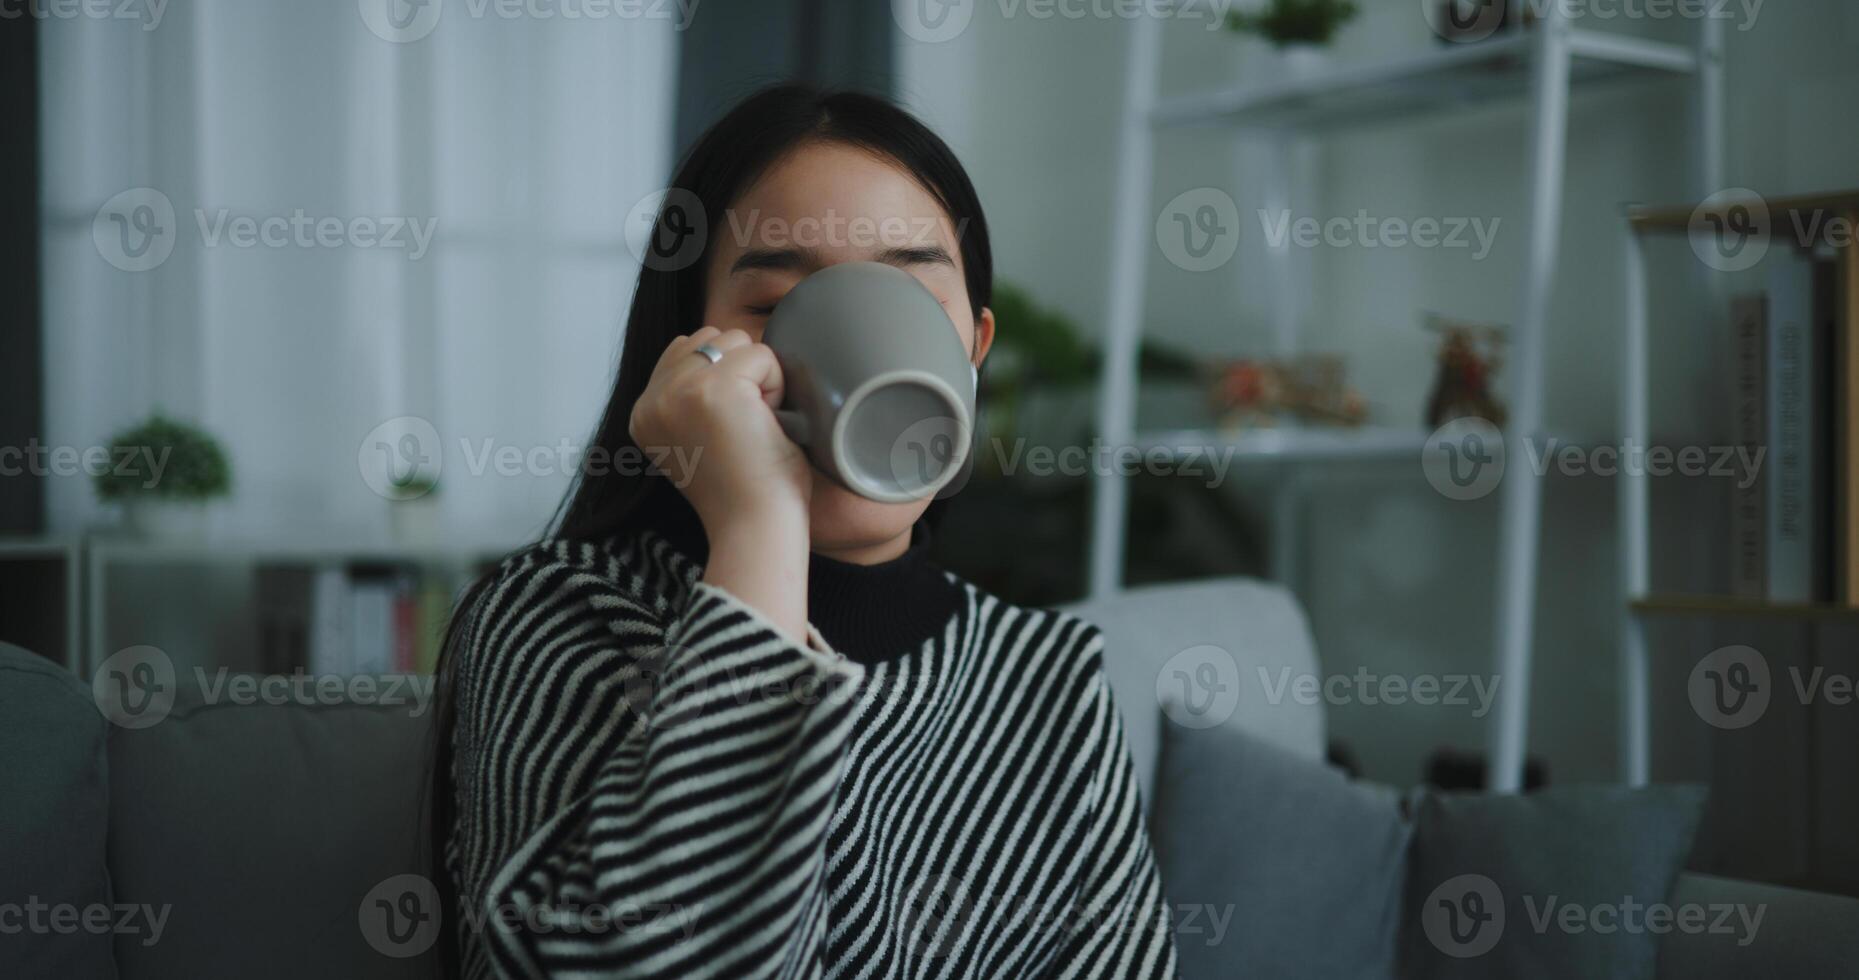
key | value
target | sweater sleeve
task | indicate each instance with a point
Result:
(1121, 925)
(640, 794)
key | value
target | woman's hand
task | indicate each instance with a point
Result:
(713, 429)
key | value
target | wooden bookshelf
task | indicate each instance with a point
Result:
(1734, 607)
(1782, 210)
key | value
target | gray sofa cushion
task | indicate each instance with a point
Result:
(1155, 635)
(269, 829)
(1554, 884)
(56, 909)
(1278, 866)
(1751, 931)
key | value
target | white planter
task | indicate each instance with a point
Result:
(415, 521)
(1303, 61)
(170, 520)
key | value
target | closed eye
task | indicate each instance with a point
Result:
(758, 310)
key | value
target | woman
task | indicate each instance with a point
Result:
(729, 720)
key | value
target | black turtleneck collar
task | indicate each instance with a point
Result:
(869, 613)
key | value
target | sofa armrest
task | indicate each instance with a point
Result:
(1800, 935)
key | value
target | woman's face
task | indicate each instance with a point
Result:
(822, 204)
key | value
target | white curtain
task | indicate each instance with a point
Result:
(305, 159)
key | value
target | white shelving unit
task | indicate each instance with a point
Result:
(66, 553)
(1536, 68)
(102, 555)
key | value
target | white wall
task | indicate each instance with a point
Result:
(1398, 579)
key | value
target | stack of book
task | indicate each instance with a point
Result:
(1795, 526)
(354, 619)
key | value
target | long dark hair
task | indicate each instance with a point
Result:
(668, 303)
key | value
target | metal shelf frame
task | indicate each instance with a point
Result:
(1538, 67)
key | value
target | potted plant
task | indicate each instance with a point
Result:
(163, 472)
(1299, 29)
(415, 514)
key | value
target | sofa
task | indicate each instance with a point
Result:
(245, 838)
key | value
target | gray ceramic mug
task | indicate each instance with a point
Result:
(878, 387)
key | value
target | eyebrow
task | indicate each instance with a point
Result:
(917, 255)
(798, 259)
(803, 259)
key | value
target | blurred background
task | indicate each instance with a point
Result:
(365, 271)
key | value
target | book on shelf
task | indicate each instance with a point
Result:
(361, 619)
(1845, 364)
(1794, 470)
(371, 593)
(1748, 343)
(406, 624)
(332, 635)
(1794, 530)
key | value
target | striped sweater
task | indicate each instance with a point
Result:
(651, 780)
